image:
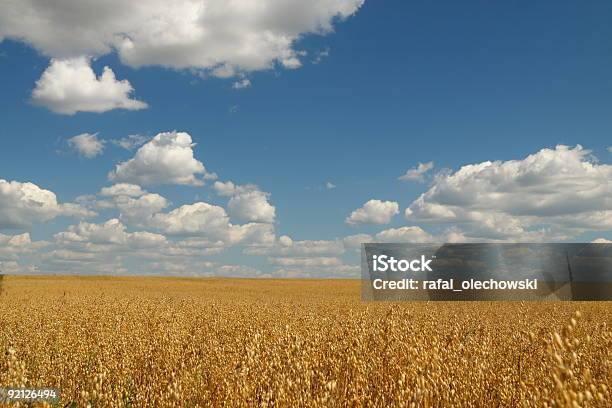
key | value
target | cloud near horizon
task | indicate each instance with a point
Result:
(24, 204)
(553, 194)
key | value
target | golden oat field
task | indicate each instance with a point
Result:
(180, 342)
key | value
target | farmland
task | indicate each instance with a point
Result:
(148, 341)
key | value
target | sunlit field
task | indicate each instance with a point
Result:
(286, 343)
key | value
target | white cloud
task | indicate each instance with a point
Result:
(225, 189)
(87, 145)
(410, 234)
(213, 35)
(291, 62)
(75, 210)
(103, 248)
(195, 247)
(237, 271)
(336, 271)
(252, 206)
(610, 149)
(19, 240)
(404, 234)
(206, 226)
(69, 86)
(285, 241)
(166, 159)
(417, 173)
(13, 267)
(310, 261)
(130, 141)
(307, 258)
(106, 247)
(374, 212)
(197, 268)
(242, 84)
(247, 202)
(553, 194)
(355, 241)
(601, 241)
(111, 232)
(122, 189)
(12, 246)
(139, 211)
(320, 55)
(285, 246)
(329, 185)
(211, 221)
(22, 204)
(135, 205)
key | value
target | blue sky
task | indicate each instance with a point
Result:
(453, 83)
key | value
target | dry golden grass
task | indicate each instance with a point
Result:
(221, 342)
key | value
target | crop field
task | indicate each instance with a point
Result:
(145, 341)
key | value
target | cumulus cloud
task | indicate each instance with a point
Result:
(122, 189)
(19, 240)
(12, 246)
(199, 268)
(305, 258)
(552, 194)
(404, 234)
(407, 234)
(87, 145)
(601, 241)
(417, 173)
(130, 142)
(195, 218)
(108, 246)
(166, 159)
(285, 246)
(139, 211)
(242, 84)
(211, 221)
(329, 185)
(320, 55)
(70, 86)
(103, 248)
(237, 271)
(203, 228)
(247, 202)
(285, 241)
(135, 205)
(213, 35)
(225, 189)
(374, 212)
(22, 204)
(111, 232)
(355, 241)
(336, 271)
(312, 261)
(13, 267)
